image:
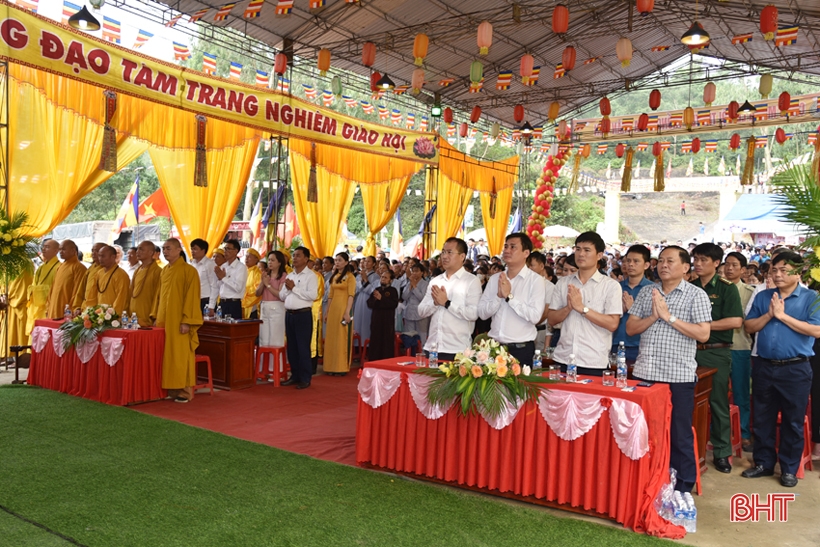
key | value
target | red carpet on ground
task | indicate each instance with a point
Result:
(319, 421)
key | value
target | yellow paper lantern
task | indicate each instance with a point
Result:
(624, 50)
(688, 117)
(553, 111)
(765, 85)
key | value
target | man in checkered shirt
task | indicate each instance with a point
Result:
(672, 317)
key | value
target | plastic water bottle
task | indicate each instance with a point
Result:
(219, 314)
(536, 360)
(680, 509)
(432, 359)
(205, 312)
(620, 377)
(124, 324)
(135, 323)
(67, 313)
(572, 370)
(691, 522)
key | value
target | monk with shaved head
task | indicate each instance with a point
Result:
(177, 311)
(67, 282)
(43, 280)
(145, 284)
(111, 284)
(90, 274)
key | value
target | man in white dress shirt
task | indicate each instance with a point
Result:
(515, 300)
(208, 282)
(233, 275)
(132, 262)
(589, 305)
(451, 301)
(537, 262)
(300, 290)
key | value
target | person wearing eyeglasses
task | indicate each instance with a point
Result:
(43, 279)
(233, 275)
(451, 302)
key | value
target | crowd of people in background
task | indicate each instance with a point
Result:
(735, 308)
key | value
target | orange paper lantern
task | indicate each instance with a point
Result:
(606, 108)
(420, 48)
(645, 7)
(734, 142)
(585, 150)
(368, 54)
(654, 99)
(688, 117)
(280, 63)
(323, 61)
(643, 122)
(780, 135)
(485, 37)
(560, 19)
(768, 22)
(563, 133)
(518, 113)
(475, 115)
(448, 115)
(784, 102)
(568, 58)
(554, 110)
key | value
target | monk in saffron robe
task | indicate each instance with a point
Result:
(16, 307)
(145, 285)
(43, 279)
(87, 286)
(177, 311)
(111, 285)
(250, 302)
(69, 279)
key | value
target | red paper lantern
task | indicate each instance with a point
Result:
(518, 113)
(619, 150)
(448, 115)
(784, 102)
(731, 111)
(657, 149)
(475, 115)
(606, 125)
(643, 122)
(374, 81)
(734, 142)
(525, 69)
(368, 54)
(605, 107)
(695, 145)
(768, 22)
(654, 99)
(323, 61)
(280, 64)
(560, 19)
(780, 135)
(568, 58)
(709, 93)
(462, 130)
(645, 7)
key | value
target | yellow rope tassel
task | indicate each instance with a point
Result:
(659, 182)
(576, 170)
(749, 168)
(626, 181)
(313, 189)
(387, 199)
(200, 154)
(815, 164)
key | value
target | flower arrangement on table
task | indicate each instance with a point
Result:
(485, 376)
(16, 248)
(89, 324)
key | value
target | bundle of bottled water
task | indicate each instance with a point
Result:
(675, 507)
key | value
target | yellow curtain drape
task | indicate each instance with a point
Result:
(496, 228)
(54, 150)
(374, 175)
(321, 222)
(459, 176)
(204, 212)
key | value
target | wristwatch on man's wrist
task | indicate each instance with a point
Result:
(509, 297)
(447, 305)
(586, 311)
(672, 319)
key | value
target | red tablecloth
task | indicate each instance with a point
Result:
(135, 378)
(526, 458)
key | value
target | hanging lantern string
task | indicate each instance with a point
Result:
(659, 137)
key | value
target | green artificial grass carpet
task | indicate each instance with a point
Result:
(109, 476)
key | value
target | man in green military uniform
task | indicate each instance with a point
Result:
(727, 315)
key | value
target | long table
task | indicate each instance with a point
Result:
(134, 377)
(526, 459)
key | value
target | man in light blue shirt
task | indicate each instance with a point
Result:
(634, 266)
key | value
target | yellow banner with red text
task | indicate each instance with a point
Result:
(29, 39)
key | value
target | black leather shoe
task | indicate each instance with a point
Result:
(788, 480)
(723, 465)
(290, 382)
(303, 385)
(757, 471)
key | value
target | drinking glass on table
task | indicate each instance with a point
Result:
(420, 360)
(608, 378)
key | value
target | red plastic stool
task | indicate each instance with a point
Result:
(357, 344)
(280, 361)
(697, 461)
(363, 355)
(210, 383)
(737, 437)
(805, 459)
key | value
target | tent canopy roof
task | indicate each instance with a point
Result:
(594, 28)
(759, 213)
